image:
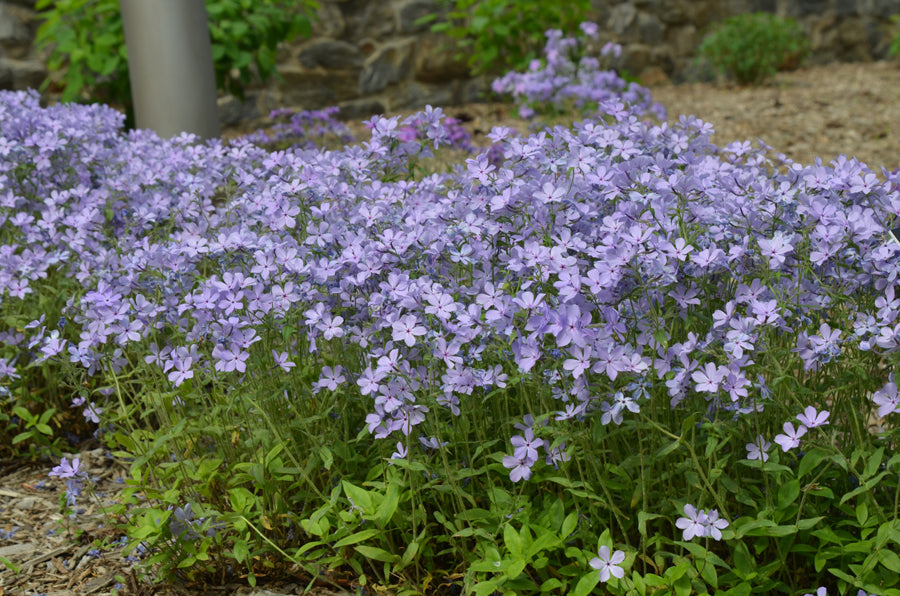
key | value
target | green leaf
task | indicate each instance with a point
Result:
(889, 559)
(241, 550)
(376, 554)
(569, 525)
(357, 537)
(587, 583)
(873, 462)
(643, 518)
(388, 505)
(744, 563)
(864, 487)
(788, 493)
(512, 540)
(810, 461)
(359, 497)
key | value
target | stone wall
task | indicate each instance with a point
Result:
(369, 56)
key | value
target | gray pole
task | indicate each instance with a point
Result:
(170, 65)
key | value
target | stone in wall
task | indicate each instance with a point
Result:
(330, 53)
(358, 109)
(16, 33)
(311, 89)
(436, 60)
(329, 21)
(409, 11)
(368, 19)
(389, 64)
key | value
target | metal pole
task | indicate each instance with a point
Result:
(170, 66)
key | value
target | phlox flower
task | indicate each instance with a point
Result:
(580, 361)
(700, 523)
(694, 524)
(608, 563)
(759, 449)
(330, 378)
(776, 249)
(709, 377)
(791, 438)
(526, 446)
(589, 28)
(519, 469)
(811, 418)
(74, 476)
(92, 413)
(714, 525)
(887, 399)
(407, 329)
(282, 360)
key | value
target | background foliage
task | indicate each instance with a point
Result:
(749, 48)
(498, 35)
(87, 51)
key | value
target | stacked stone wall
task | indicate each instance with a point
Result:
(371, 56)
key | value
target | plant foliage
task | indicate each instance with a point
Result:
(606, 353)
(494, 36)
(86, 44)
(749, 48)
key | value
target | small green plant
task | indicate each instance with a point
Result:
(894, 49)
(750, 48)
(86, 43)
(494, 36)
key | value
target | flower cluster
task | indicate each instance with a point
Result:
(572, 73)
(74, 476)
(701, 523)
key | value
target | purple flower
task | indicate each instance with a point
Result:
(407, 329)
(694, 524)
(608, 563)
(519, 468)
(791, 438)
(887, 399)
(526, 447)
(811, 418)
(66, 470)
(714, 525)
(758, 449)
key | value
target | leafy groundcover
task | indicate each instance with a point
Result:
(607, 356)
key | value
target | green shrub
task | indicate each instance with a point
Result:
(749, 48)
(86, 43)
(494, 36)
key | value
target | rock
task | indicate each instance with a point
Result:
(683, 40)
(329, 21)
(436, 60)
(846, 8)
(677, 13)
(233, 111)
(317, 88)
(21, 74)
(636, 57)
(374, 19)
(649, 28)
(621, 18)
(330, 53)
(360, 109)
(15, 34)
(416, 95)
(389, 64)
(409, 11)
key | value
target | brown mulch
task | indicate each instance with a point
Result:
(821, 111)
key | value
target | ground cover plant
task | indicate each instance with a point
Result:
(610, 354)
